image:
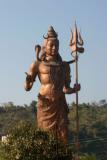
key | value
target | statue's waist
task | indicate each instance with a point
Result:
(52, 97)
(50, 89)
(52, 102)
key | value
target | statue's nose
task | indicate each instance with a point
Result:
(53, 47)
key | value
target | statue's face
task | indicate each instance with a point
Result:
(52, 47)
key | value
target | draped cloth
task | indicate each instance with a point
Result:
(52, 115)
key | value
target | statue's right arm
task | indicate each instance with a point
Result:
(31, 75)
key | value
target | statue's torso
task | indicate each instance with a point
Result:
(52, 77)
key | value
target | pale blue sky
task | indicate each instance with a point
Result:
(22, 25)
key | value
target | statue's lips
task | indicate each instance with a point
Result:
(53, 53)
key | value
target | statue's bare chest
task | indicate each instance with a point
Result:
(44, 69)
(55, 73)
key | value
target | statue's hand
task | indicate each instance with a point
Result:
(68, 90)
(77, 87)
(28, 77)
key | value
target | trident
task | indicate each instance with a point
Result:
(76, 44)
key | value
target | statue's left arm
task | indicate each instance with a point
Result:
(67, 89)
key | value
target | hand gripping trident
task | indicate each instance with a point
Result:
(76, 44)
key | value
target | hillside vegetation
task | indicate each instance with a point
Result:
(92, 120)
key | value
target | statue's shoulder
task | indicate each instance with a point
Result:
(37, 63)
(34, 65)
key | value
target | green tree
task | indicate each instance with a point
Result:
(33, 106)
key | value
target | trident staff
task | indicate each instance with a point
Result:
(76, 44)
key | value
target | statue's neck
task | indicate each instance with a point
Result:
(51, 58)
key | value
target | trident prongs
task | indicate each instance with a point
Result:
(71, 40)
(80, 42)
(76, 41)
(75, 34)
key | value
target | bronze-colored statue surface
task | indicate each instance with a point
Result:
(54, 76)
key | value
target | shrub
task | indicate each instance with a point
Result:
(24, 142)
(87, 157)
